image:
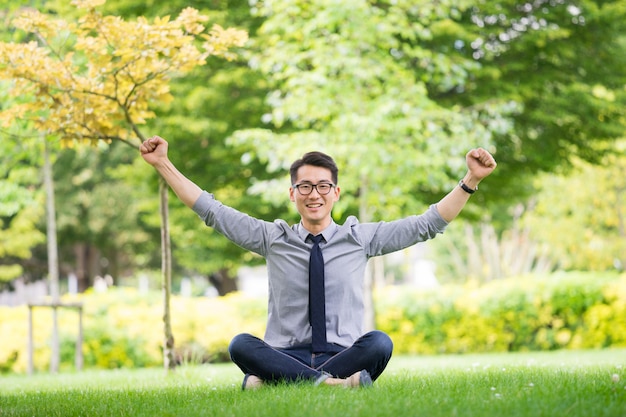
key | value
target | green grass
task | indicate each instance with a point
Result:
(566, 383)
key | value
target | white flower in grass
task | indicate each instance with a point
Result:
(615, 378)
(530, 384)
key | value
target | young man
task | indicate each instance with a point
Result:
(316, 339)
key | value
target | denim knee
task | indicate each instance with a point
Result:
(381, 343)
(238, 344)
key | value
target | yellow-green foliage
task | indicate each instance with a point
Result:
(571, 311)
(123, 328)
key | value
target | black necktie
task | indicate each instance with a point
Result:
(317, 300)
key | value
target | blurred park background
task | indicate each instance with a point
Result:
(396, 91)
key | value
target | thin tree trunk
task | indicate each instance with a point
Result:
(166, 270)
(369, 319)
(621, 221)
(53, 256)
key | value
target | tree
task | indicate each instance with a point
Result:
(102, 65)
(561, 62)
(20, 208)
(399, 90)
(586, 230)
(96, 238)
(340, 83)
(208, 104)
(343, 83)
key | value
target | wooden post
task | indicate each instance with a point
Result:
(30, 339)
(79, 341)
(55, 357)
(78, 360)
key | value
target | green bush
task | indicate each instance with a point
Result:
(108, 348)
(571, 311)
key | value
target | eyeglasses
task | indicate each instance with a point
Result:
(322, 188)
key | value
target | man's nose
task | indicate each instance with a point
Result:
(314, 190)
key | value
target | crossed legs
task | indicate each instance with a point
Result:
(253, 356)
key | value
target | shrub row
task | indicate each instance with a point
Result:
(558, 311)
(123, 328)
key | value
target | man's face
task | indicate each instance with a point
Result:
(314, 208)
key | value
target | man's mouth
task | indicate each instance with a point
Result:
(314, 205)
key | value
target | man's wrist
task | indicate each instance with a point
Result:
(470, 180)
(469, 183)
(467, 188)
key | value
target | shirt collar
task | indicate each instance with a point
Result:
(327, 233)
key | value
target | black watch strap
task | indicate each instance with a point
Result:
(466, 188)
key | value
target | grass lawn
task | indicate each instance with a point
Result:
(565, 383)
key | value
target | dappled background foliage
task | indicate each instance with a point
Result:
(397, 91)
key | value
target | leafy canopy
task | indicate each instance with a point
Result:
(71, 74)
(344, 82)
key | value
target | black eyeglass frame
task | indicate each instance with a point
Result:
(314, 186)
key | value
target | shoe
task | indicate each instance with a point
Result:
(365, 379)
(320, 380)
(359, 379)
(356, 380)
(251, 382)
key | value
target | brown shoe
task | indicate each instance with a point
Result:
(251, 382)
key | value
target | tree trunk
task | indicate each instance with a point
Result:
(166, 271)
(223, 282)
(53, 256)
(620, 192)
(369, 319)
(81, 268)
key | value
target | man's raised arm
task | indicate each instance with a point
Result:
(480, 164)
(154, 152)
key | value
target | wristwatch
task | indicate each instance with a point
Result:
(466, 188)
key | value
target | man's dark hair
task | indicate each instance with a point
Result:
(317, 159)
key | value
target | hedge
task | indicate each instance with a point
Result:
(558, 311)
(123, 328)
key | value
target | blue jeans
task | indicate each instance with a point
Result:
(252, 355)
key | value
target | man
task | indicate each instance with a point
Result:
(316, 339)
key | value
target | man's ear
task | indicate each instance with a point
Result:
(291, 196)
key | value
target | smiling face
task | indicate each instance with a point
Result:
(315, 209)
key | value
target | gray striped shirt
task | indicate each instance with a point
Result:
(346, 251)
